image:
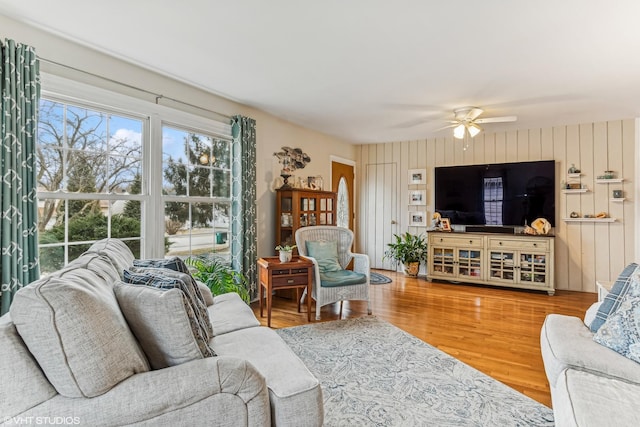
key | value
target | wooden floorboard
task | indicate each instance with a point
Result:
(495, 330)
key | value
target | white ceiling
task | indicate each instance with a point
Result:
(375, 70)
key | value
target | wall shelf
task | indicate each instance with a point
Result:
(618, 199)
(589, 219)
(576, 175)
(609, 180)
(575, 190)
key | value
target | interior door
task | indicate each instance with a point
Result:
(380, 221)
(345, 174)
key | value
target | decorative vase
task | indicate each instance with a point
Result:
(285, 256)
(411, 268)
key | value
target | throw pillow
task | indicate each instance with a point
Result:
(192, 289)
(621, 331)
(158, 280)
(164, 323)
(614, 298)
(174, 263)
(326, 253)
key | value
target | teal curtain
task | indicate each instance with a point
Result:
(19, 97)
(244, 243)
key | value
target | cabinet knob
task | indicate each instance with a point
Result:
(470, 241)
(535, 245)
(441, 239)
(500, 243)
(290, 280)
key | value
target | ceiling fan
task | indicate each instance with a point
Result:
(466, 121)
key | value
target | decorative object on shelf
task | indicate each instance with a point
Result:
(315, 182)
(417, 219)
(410, 250)
(417, 176)
(574, 186)
(445, 224)
(435, 222)
(573, 169)
(618, 194)
(607, 175)
(286, 220)
(574, 215)
(285, 252)
(417, 197)
(602, 215)
(541, 225)
(291, 159)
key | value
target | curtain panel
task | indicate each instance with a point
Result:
(19, 98)
(244, 244)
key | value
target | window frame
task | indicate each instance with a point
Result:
(154, 116)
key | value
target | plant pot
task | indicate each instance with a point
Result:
(285, 256)
(411, 268)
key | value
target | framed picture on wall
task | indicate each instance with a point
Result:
(417, 197)
(417, 219)
(417, 176)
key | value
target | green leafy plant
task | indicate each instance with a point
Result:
(219, 277)
(407, 248)
(285, 248)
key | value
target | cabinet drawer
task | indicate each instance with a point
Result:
(288, 281)
(458, 241)
(537, 245)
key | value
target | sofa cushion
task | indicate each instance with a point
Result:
(198, 300)
(23, 383)
(291, 385)
(325, 253)
(621, 331)
(74, 328)
(229, 313)
(615, 296)
(164, 323)
(115, 250)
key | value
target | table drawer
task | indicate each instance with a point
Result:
(458, 241)
(535, 245)
(288, 281)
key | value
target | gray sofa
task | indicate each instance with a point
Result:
(69, 356)
(591, 385)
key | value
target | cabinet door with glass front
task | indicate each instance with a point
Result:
(302, 208)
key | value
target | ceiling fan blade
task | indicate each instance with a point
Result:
(497, 119)
(474, 113)
(447, 126)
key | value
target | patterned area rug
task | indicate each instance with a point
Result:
(374, 374)
(378, 279)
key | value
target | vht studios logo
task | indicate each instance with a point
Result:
(42, 421)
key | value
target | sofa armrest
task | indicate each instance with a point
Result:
(566, 343)
(239, 388)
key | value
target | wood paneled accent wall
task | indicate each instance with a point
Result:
(585, 252)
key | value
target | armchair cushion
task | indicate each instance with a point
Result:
(341, 278)
(326, 253)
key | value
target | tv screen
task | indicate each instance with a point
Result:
(501, 194)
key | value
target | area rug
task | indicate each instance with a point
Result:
(374, 374)
(378, 279)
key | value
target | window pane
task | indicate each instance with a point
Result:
(200, 180)
(221, 183)
(86, 129)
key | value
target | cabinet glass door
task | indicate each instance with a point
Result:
(501, 265)
(533, 268)
(443, 261)
(469, 262)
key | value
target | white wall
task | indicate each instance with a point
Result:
(585, 252)
(272, 132)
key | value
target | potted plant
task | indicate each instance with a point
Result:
(286, 252)
(219, 277)
(408, 249)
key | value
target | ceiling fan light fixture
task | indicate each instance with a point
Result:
(473, 129)
(458, 131)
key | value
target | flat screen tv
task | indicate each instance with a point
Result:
(500, 194)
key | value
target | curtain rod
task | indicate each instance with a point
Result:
(156, 95)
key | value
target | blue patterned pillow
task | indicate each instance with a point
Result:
(621, 331)
(159, 281)
(614, 298)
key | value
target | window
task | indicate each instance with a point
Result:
(89, 172)
(100, 175)
(196, 192)
(343, 204)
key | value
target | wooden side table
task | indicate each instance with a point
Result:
(273, 275)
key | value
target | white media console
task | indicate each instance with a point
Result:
(510, 260)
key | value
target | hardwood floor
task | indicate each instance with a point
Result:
(495, 330)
